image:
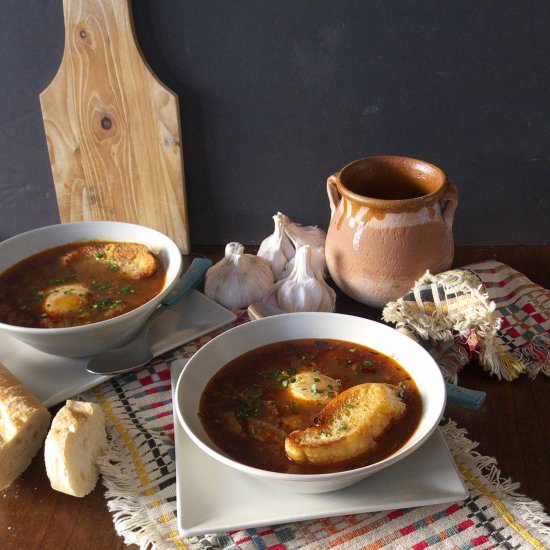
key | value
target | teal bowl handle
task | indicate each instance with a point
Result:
(190, 280)
(464, 397)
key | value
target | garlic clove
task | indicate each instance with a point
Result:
(303, 289)
(238, 279)
(305, 234)
(313, 236)
(277, 249)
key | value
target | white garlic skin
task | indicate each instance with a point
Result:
(313, 236)
(277, 249)
(239, 279)
(303, 289)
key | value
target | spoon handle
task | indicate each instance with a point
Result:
(190, 280)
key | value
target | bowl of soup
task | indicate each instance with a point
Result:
(310, 402)
(77, 289)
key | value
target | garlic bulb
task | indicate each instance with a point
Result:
(303, 289)
(314, 237)
(277, 248)
(238, 279)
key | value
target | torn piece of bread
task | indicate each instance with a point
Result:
(348, 426)
(24, 423)
(75, 441)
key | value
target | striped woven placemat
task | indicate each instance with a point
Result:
(139, 474)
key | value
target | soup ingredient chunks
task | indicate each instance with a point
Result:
(339, 406)
(75, 441)
(24, 423)
(348, 426)
(79, 283)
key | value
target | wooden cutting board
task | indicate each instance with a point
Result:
(112, 127)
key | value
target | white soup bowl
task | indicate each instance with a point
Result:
(241, 339)
(93, 338)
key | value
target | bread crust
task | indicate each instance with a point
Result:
(24, 423)
(75, 441)
(347, 426)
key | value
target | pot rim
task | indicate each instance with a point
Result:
(395, 205)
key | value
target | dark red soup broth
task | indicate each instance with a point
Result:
(252, 390)
(26, 287)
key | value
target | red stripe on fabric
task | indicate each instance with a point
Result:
(465, 524)
(420, 545)
(168, 427)
(159, 389)
(479, 540)
(395, 514)
(157, 405)
(264, 533)
(277, 547)
(164, 374)
(407, 530)
(452, 509)
(243, 540)
(146, 380)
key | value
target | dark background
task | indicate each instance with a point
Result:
(277, 94)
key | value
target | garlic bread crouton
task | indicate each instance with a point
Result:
(134, 260)
(347, 426)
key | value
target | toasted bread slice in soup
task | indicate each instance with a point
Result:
(134, 260)
(347, 426)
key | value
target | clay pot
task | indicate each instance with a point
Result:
(391, 220)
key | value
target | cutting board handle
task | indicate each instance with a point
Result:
(112, 127)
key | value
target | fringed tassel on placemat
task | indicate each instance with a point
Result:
(487, 308)
(483, 474)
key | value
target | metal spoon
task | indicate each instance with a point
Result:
(136, 353)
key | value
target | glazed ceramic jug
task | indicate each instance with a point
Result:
(391, 220)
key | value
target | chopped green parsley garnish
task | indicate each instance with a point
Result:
(127, 290)
(61, 280)
(249, 408)
(100, 286)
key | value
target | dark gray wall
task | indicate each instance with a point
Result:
(277, 94)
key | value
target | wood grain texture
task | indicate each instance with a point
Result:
(112, 127)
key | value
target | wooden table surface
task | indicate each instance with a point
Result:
(513, 426)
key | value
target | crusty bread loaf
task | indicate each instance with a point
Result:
(75, 441)
(347, 426)
(24, 423)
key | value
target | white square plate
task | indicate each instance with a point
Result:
(214, 498)
(53, 379)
